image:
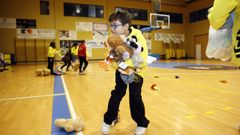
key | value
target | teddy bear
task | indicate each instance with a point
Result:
(42, 72)
(122, 49)
(118, 50)
(75, 65)
(70, 125)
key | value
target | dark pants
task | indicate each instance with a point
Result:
(66, 63)
(135, 98)
(82, 60)
(50, 64)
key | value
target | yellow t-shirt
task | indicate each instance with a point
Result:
(74, 50)
(143, 54)
(217, 17)
(52, 52)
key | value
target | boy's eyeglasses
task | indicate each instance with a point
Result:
(114, 26)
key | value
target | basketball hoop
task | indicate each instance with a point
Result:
(161, 21)
(157, 21)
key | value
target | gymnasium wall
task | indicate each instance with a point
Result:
(196, 28)
(30, 9)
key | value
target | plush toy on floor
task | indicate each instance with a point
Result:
(42, 72)
(75, 65)
(70, 125)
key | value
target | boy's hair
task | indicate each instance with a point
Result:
(122, 16)
(52, 44)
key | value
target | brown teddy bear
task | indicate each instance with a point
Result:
(75, 65)
(119, 51)
(70, 125)
(122, 49)
(42, 72)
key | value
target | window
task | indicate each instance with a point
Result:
(83, 10)
(26, 23)
(44, 7)
(136, 14)
(174, 17)
(198, 15)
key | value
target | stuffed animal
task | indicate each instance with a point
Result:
(70, 125)
(75, 65)
(122, 49)
(119, 51)
(42, 72)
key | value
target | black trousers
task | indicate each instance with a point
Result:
(82, 60)
(50, 64)
(136, 104)
(66, 63)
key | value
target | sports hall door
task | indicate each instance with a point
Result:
(202, 40)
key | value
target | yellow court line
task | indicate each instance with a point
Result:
(191, 116)
(210, 112)
(227, 108)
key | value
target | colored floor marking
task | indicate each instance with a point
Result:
(227, 108)
(189, 65)
(210, 112)
(169, 65)
(190, 116)
(60, 107)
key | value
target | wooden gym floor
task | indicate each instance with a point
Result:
(198, 102)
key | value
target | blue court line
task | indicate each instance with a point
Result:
(60, 107)
(171, 65)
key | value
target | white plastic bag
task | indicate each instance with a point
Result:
(151, 59)
(219, 44)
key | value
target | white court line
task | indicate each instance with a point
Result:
(32, 97)
(70, 105)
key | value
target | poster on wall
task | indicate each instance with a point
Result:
(158, 36)
(84, 26)
(168, 37)
(89, 51)
(182, 37)
(46, 33)
(100, 36)
(29, 33)
(8, 23)
(67, 35)
(94, 44)
(100, 27)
